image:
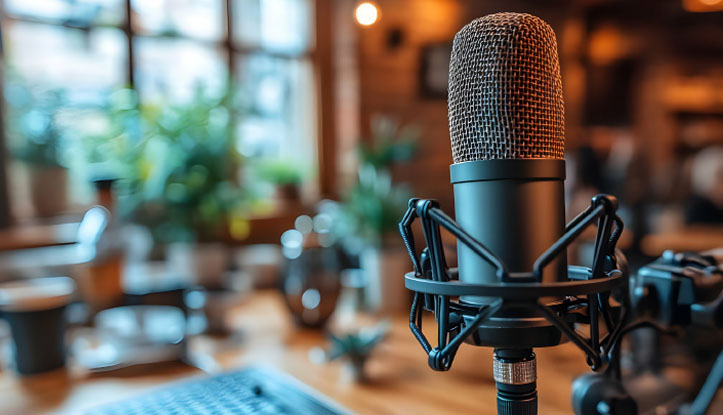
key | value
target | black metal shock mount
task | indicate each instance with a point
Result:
(584, 298)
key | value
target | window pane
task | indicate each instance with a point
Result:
(281, 122)
(54, 77)
(172, 68)
(87, 64)
(78, 13)
(201, 19)
(275, 25)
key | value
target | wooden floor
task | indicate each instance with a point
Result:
(401, 382)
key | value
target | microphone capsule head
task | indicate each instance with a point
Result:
(505, 92)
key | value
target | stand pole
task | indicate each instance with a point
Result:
(515, 373)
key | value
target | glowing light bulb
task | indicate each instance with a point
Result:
(366, 13)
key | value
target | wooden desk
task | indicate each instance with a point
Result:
(36, 236)
(692, 238)
(402, 381)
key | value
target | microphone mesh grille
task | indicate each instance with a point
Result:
(505, 92)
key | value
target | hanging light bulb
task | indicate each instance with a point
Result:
(366, 13)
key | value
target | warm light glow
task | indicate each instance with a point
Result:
(703, 5)
(366, 13)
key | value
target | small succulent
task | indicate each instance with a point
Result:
(356, 347)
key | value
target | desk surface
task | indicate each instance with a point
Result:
(402, 383)
(691, 238)
(36, 236)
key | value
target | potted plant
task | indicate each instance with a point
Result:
(37, 139)
(285, 176)
(183, 182)
(372, 208)
(355, 348)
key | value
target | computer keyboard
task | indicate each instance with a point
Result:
(248, 391)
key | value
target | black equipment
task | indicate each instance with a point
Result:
(249, 391)
(678, 291)
(512, 289)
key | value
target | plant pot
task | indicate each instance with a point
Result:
(354, 369)
(103, 286)
(204, 264)
(48, 190)
(286, 194)
(384, 269)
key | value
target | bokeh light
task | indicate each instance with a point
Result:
(366, 13)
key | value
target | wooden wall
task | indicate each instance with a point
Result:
(390, 85)
(389, 77)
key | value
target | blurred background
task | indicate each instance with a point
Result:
(240, 145)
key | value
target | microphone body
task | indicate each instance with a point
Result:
(506, 123)
(516, 208)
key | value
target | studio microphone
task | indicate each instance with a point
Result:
(507, 128)
(506, 124)
(515, 290)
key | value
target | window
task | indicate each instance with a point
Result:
(166, 49)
